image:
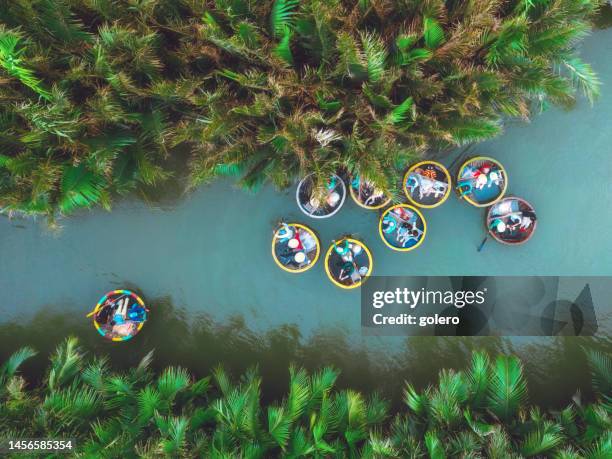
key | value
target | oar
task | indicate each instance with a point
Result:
(96, 309)
(484, 241)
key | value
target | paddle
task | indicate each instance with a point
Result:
(484, 241)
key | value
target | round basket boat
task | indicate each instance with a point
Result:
(482, 181)
(402, 227)
(366, 195)
(511, 221)
(427, 184)
(324, 206)
(348, 263)
(119, 315)
(295, 247)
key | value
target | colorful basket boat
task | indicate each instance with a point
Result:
(348, 263)
(427, 184)
(402, 227)
(482, 181)
(511, 221)
(295, 247)
(119, 315)
(366, 195)
(329, 203)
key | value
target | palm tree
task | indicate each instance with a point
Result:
(95, 95)
(482, 412)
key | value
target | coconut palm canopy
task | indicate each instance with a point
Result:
(97, 95)
(482, 411)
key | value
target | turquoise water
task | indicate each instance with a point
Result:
(210, 252)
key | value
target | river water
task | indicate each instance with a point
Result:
(209, 255)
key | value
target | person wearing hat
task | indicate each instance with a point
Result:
(342, 251)
(284, 233)
(347, 270)
(333, 199)
(300, 258)
(389, 224)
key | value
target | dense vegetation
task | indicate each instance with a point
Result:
(97, 95)
(481, 412)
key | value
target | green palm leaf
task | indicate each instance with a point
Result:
(602, 449)
(600, 365)
(279, 425)
(66, 363)
(174, 442)
(508, 388)
(11, 62)
(417, 403)
(375, 56)
(433, 33)
(282, 16)
(401, 113)
(583, 77)
(478, 377)
(172, 381)
(434, 446)
(468, 130)
(12, 364)
(283, 48)
(80, 188)
(542, 440)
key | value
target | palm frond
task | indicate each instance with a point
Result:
(508, 389)
(283, 48)
(12, 364)
(66, 363)
(433, 33)
(80, 188)
(434, 446)
(375, 54)
(282, 16)
(401, 113)
(600, 365)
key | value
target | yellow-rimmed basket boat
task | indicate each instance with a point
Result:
(482, 181)
(402, 227)
(366, 195)
(427, 184)
(295, 247)
(511, 221)
(348, 263)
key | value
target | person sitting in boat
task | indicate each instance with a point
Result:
(373, 199)
(527, 219)
(137, 313)
(105, 313)
(333, 199)
(403, 213)
(498, 225)
(407, 232)
(413, 182)
(344, 251)
(284, 233)
(308, 242)
(389, 224)
(346, 271)
(300, 259)
(349, 271)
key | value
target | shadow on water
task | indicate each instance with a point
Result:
(555, 368)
